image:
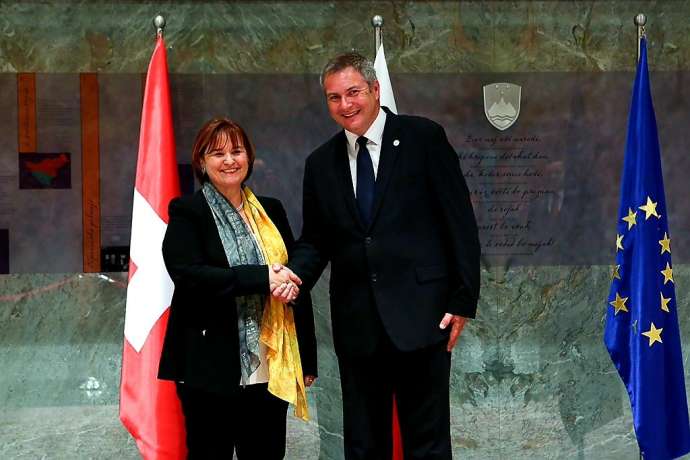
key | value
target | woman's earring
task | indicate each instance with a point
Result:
(203, 170)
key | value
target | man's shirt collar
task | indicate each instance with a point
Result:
(374, 133)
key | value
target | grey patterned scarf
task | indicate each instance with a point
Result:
(241, 248)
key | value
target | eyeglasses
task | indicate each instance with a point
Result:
(220, 154)
(352, 93)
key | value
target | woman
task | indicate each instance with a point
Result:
(228, 341)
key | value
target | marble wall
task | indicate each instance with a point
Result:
(298, 36)
(531, 378)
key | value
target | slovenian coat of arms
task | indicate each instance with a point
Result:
(502, 104)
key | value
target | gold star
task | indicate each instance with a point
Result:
(616, 272)
(665, 244)
(619, 304)
(668, 274)
(631, 218)
(664, 302)
(619, 242)
(654, 335)
(650, 209)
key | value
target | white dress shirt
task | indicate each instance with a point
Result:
(374, 137)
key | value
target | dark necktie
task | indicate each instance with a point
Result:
(365, 181)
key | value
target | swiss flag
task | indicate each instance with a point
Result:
(149, 408)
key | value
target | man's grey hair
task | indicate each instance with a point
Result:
(355, 60)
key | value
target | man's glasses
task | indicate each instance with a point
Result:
(352, 93)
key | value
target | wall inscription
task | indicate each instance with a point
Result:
(514, 186)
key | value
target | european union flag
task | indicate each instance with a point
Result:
(642, 334)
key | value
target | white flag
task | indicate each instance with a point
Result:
(387, 98)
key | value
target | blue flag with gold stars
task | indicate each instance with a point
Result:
(642, 334)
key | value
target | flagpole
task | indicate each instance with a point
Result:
(384, 80)
(640, 21)
(149, 408)
(644, 362)
(377, 22)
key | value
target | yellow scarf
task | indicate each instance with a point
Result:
(278, 333)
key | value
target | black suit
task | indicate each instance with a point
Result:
(201, 342)
(392, 281)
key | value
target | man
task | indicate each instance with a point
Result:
(386, 204)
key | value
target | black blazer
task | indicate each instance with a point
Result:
(419, 257)
(201, 344)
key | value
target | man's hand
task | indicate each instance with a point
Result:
(283, 283)
(458, 323)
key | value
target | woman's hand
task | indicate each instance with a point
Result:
(283, 283)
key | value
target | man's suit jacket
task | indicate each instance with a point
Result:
(415, 261)
(201, 344)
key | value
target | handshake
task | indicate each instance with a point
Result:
(283, 283)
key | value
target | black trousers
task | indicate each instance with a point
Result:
(251, 422)
(420, 381)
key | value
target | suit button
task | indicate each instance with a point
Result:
(367, 240)
(373, 277)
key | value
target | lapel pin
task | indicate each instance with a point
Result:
(396, 143)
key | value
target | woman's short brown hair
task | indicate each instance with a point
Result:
(215, 134)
